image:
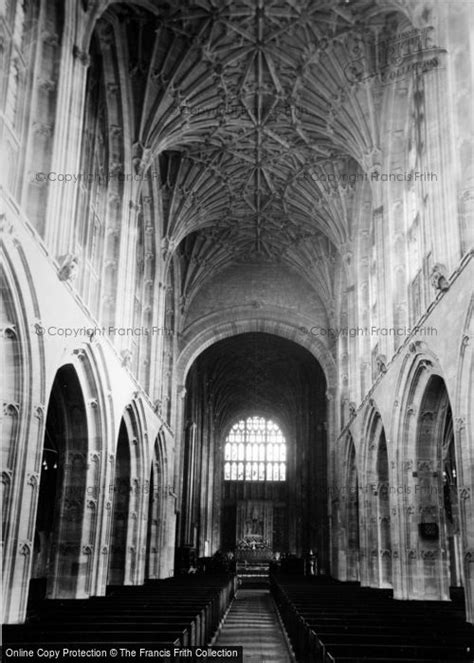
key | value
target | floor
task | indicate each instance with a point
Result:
(254, 623)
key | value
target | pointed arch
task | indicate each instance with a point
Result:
(155, 564)
(126, 559)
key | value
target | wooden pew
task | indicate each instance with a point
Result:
(172, 612)
(349, 623)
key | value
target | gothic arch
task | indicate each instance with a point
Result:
(205, 333)
(61, 531)
(352, 513)
(345, 515)
(95, 10)
(463, 428)
(126, 541)
(24, 414)
(91, 367)
(155, 566)
(425, 440)
(376, 568)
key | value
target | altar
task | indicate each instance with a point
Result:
(254, 531)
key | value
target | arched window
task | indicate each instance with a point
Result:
(255, 450)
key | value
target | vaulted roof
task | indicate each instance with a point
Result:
(263, 114)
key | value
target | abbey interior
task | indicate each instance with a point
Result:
(237, 301)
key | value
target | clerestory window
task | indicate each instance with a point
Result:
(255, 450)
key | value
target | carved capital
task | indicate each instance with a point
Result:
(25, 548)
(11, 409)
(33, 479)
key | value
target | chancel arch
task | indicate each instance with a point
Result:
(256, 385)
(197, 338)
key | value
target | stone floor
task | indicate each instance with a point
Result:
(253, 623)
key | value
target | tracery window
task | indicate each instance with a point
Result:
(92, 188)
(255, 450)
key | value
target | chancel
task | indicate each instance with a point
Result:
(237, 268)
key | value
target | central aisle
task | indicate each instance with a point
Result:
(253, 623)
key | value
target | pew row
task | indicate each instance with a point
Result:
(334, 622)
(179, 612)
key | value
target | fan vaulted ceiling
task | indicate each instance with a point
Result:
(250, 106)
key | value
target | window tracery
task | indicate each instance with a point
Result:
(255, 450)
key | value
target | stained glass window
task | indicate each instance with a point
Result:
(255, 450)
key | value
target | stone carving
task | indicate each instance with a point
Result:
(429, 555)
(469, 557)
(438, 277)
(381, 361)
(11, 409)
(464, 493)
(69, 267)
(33, 480)
(126, 358)
(81, 56)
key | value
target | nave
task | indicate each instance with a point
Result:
(253, 622)
(237, 261)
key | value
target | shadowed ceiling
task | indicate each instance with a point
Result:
(262, 373)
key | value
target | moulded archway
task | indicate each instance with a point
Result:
(428, 451)
(205, 333)
(25, 393)
(463, 427)
(59, 545)
(156, 525)
(352, 514)
(376, 563)
(345, 530)
(245, 374)
(127, 540)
